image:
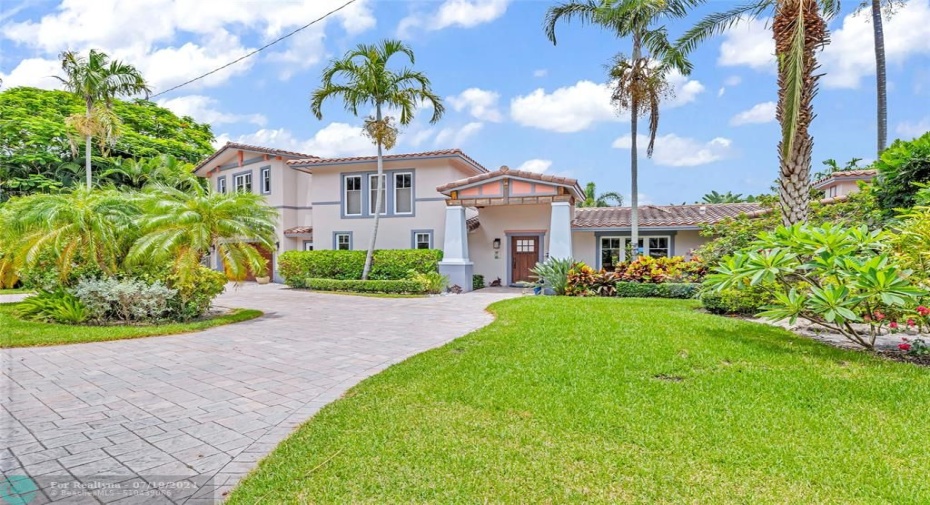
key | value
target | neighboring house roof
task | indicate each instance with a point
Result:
(306, 231)
(846, 175)
(519, 174)
(255, 149)
(661, 216)
(444, 153)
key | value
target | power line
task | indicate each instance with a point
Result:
(260, 49)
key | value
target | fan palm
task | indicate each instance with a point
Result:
(97, 80)
(800, 29)
(362, 78)
(639, 81)
(82, 226)
(182, 226)
(592, 199)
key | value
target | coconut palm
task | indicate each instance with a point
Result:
(89, 227)
(182, 226)
(97, 80)
(362, 79)
(592, 199)
(800, 29)
(639, 81)
(137, 173)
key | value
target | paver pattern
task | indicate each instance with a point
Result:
(210, 404)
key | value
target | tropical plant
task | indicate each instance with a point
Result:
(123, 300)
(53, 307)
(837, 278)
(98, 80)
(912, 241)
(362, 78)
(638, 82)
(432, 282)
(592, 199)
(181, 227)
(800, 30)
(902, 168)
(553, 273)
(728, 197)
(137, 173)
(831, 167)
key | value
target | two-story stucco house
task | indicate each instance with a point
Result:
(495, 223)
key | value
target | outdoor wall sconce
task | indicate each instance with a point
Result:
(496, 243)
(277, 246)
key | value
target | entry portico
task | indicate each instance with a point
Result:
(500, 224)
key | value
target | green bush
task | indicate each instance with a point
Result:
(433, 282)
(477, 281)
(663, 290)
(403, 286)
(553, 273)
(53, 307)
(387, 264)
(900, 168)
(196, 292)
(746, 302)
(124, 300)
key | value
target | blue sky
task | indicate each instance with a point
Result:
(512, 97)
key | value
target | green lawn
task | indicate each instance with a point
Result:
(615, 400)
(18, 333)
(17, 291)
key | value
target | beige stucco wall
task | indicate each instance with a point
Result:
(686, 241)
(498, 222)
(584, 247)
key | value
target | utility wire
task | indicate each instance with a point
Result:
(266, 46)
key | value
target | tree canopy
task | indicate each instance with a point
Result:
(37, 150)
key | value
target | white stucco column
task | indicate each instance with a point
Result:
(455, 263)
(560, 231)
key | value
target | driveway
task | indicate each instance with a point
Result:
(192, 414)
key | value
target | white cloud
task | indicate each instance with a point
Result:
(759, 113)
(578, 107)
(733, 80)
(749, 43)
(454, 13)
(850, 55)
(481, 104)
(674, 151)
(172, 41)
(333, 140)
(34, 72)
(205, 110)
(909, 130)
(453, 137)
(542, 72)
(536, 165)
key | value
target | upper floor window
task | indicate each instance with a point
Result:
(243, 182)
(221, 184)
(373, 190)
(266, 180)
(353, 195)
(403, 193)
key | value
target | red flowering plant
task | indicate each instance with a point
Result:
(915, 347)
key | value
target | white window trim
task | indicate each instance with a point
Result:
(429, 239)
(395, 188)
(221, 184)
(238, 177)
(626, 238)
(373, 193)
(265, 171)
(345, 195)
(336, 240)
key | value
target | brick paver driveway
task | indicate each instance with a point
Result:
(208, 404)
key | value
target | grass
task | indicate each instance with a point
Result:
(16, 291)
(19, 333)
(567, 400)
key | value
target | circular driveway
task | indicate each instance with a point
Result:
(194, 413)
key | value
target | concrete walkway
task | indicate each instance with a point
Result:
(194, 413)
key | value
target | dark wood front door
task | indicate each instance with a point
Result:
(269, 263)
(524, 253)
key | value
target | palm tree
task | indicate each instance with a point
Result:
(639, 82)
(592, 199)
(800, 29)
(137, 173)
(94, 226)
(728, 197)
(182, 226)
(364, 80)
(97, 81)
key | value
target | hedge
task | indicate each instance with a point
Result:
(663, 290)
(387, 264)
(744, 302)
(404, 286)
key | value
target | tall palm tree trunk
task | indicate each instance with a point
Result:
(880, 75)
(799, 30)
(634, 158)
(377, 209)
(87, 147)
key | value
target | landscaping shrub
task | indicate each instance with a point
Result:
(477, 281)
(387, 264)
(656, 270)
(664, 290)
(404, 286)
(124, 300)
(432, 282)
(748, 301)
(195, 292)
(553, 273)
(585, 281)
(901, 167)
(53, 307)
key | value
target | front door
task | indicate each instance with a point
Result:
(524, 253)
(269, 263)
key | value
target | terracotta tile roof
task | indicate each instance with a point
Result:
(856, 174)
(472, 223)
(247, 147)
(299, 230)
(656, 216)
(566, 181)
(310, 161)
